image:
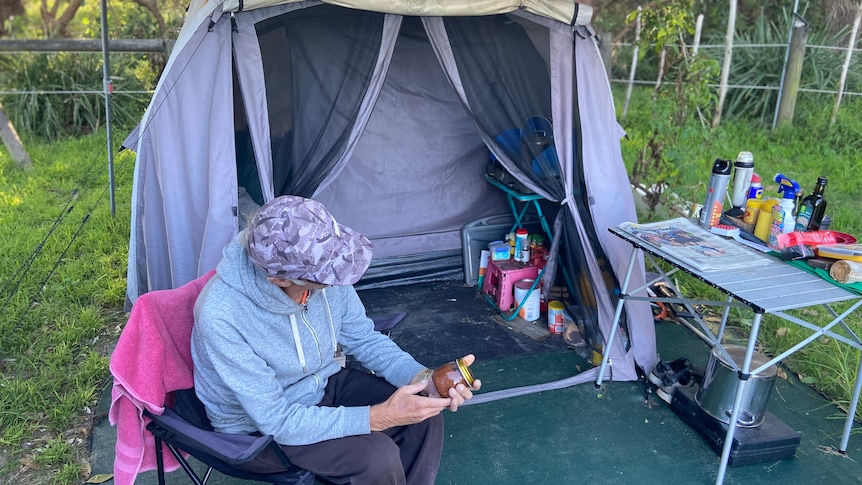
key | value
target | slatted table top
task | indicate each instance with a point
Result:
(769, 284)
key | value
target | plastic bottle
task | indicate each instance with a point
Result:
(812, 208)
(782, 214)
(764, 219)
(752, 210)
(715, 193)
(522, 247)
(743, 167)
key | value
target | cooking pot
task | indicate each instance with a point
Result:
(718, 389)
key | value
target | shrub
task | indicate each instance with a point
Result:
(60, 95)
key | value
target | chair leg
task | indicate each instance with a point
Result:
(160, 464)
(188, 468)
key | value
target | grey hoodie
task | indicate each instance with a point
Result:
(253, 374)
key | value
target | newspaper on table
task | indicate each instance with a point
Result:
(691, 244)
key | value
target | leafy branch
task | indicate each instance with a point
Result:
(683, 90)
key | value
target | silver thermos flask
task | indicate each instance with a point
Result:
(743, 167)
(715, 193)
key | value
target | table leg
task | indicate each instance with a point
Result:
(724, 317)
(616, 322)
(851, 411)
(737, 401)
(519, 214)
(542, 219)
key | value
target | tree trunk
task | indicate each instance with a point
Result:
(54, 25)
(13, 143)
(839, 14)
(9, 9)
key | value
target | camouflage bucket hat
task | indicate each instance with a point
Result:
(297, 238)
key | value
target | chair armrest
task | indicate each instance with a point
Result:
(233, 449)
(384, 323)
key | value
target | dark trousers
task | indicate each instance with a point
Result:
(403, 455)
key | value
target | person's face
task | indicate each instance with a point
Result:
(300, 284)
(311, 285)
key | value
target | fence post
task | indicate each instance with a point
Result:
(634, 64)
(108, 87)
(698, 29)
(793, 74)
(725, 68)
(850, 44)
(658, 80)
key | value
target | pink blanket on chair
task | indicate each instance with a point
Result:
(152, 359)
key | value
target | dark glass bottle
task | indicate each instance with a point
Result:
(812, 208)
(450, 374)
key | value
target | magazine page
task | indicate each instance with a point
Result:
(689, 243)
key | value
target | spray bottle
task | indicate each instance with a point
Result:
(783, 221)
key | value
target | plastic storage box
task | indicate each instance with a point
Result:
(476, 235)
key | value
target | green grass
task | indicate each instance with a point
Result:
(63, 287)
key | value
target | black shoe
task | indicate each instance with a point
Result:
(663, 368)
(669, 375)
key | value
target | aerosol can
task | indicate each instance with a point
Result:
(783, 221)
(713, 206)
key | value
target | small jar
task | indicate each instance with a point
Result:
(451, 374)
(752, 210)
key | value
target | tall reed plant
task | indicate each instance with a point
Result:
(758, 63)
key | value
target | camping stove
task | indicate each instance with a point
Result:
(771, 440)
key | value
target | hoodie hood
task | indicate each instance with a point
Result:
(237, 271)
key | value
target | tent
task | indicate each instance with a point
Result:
(388, 112)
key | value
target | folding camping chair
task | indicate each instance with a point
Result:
(185, 427)
(152, 368)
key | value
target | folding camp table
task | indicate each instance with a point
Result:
(770, 286)
(528, 200)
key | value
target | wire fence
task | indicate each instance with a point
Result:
(625, 61)
(653, 82)
(616, 80)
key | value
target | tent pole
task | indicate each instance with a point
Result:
(108, 88)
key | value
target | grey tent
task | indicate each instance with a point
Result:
(388, 112)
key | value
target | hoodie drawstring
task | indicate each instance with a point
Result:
(296, 342)
(331, 325)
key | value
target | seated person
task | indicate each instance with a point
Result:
(266, 330)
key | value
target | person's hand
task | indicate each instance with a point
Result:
(404, 407)
(460, 392)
